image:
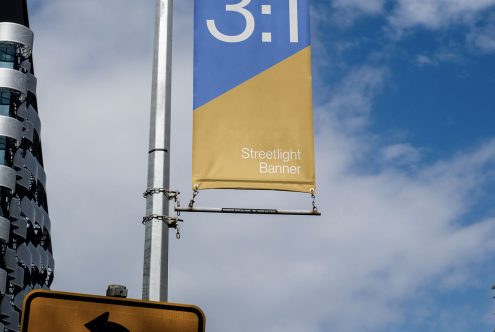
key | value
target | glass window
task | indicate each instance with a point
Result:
(7, 55)
(5, 96)
(3, 150)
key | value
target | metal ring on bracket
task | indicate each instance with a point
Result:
(17, 33)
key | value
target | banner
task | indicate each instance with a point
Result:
(253, 121)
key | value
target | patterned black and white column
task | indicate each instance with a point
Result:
(26, 259)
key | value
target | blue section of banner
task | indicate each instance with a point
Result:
(220, 66)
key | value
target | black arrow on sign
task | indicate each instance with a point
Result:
(101, 324)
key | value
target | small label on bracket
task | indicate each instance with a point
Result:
(249, 211)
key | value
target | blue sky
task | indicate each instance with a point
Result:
(437, 92)
(438, 81)
(405, 153)
(435, 97)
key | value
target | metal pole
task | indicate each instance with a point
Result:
(155, 270)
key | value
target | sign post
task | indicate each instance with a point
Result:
(48, 311)
(155, 270)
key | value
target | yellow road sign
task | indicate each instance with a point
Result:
(48, 311)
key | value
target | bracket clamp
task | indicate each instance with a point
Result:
(170, 194)
(172, 222)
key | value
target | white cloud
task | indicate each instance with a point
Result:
(436, 58)
(93, 66)
(352, 100)
(370, 6)
(483, 38)
(383, 236)
(401, 154)
(347, 11)
(424, 60)
(436, 14)
(404, 16)
(485, 41)
(431, 14)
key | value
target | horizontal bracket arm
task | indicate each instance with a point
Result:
(249, 211)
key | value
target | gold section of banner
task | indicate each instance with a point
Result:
(259, 135)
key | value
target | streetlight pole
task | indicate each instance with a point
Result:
(155, 270)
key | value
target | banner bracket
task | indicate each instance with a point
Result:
(172, 222)
(312, 212)
(190, 208)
